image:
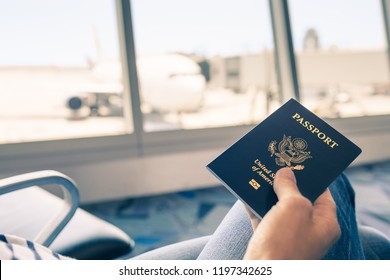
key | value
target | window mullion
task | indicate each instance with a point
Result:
(124, 7)
(284, 50)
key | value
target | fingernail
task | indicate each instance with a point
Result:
(287, 173)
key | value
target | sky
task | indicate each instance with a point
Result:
(56, 32)
(65, 32)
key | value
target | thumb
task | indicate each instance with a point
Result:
(285, 184)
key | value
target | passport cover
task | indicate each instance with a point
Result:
(291, 137)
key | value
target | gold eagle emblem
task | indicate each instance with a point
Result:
(289, 152)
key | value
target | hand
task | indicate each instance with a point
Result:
(294, 228)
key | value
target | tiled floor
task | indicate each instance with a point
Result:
(164, 219)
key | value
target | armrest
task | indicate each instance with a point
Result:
(39, 178)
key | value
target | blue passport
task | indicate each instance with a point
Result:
(291, 137)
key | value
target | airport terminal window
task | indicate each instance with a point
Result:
(341, 55)
(204, 63)
(60, 71)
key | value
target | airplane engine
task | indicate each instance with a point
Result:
(75, 103)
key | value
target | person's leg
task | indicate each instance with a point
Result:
(227, 243)
(349, 246)
(231, 238)
(376, 245)
(186, 250)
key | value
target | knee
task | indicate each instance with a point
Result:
(376, 245)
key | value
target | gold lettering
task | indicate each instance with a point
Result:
(262, 166)
(263, 172)
(296, 116)
(316, 130)
(322, 137)
(313, 129)
(327, 140)
(334, 144)
(262, 175)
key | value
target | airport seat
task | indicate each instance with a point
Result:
(28, 211)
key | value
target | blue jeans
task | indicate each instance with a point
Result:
(231, 238)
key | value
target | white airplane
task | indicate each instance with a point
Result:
(168, 83)
(171, 82)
